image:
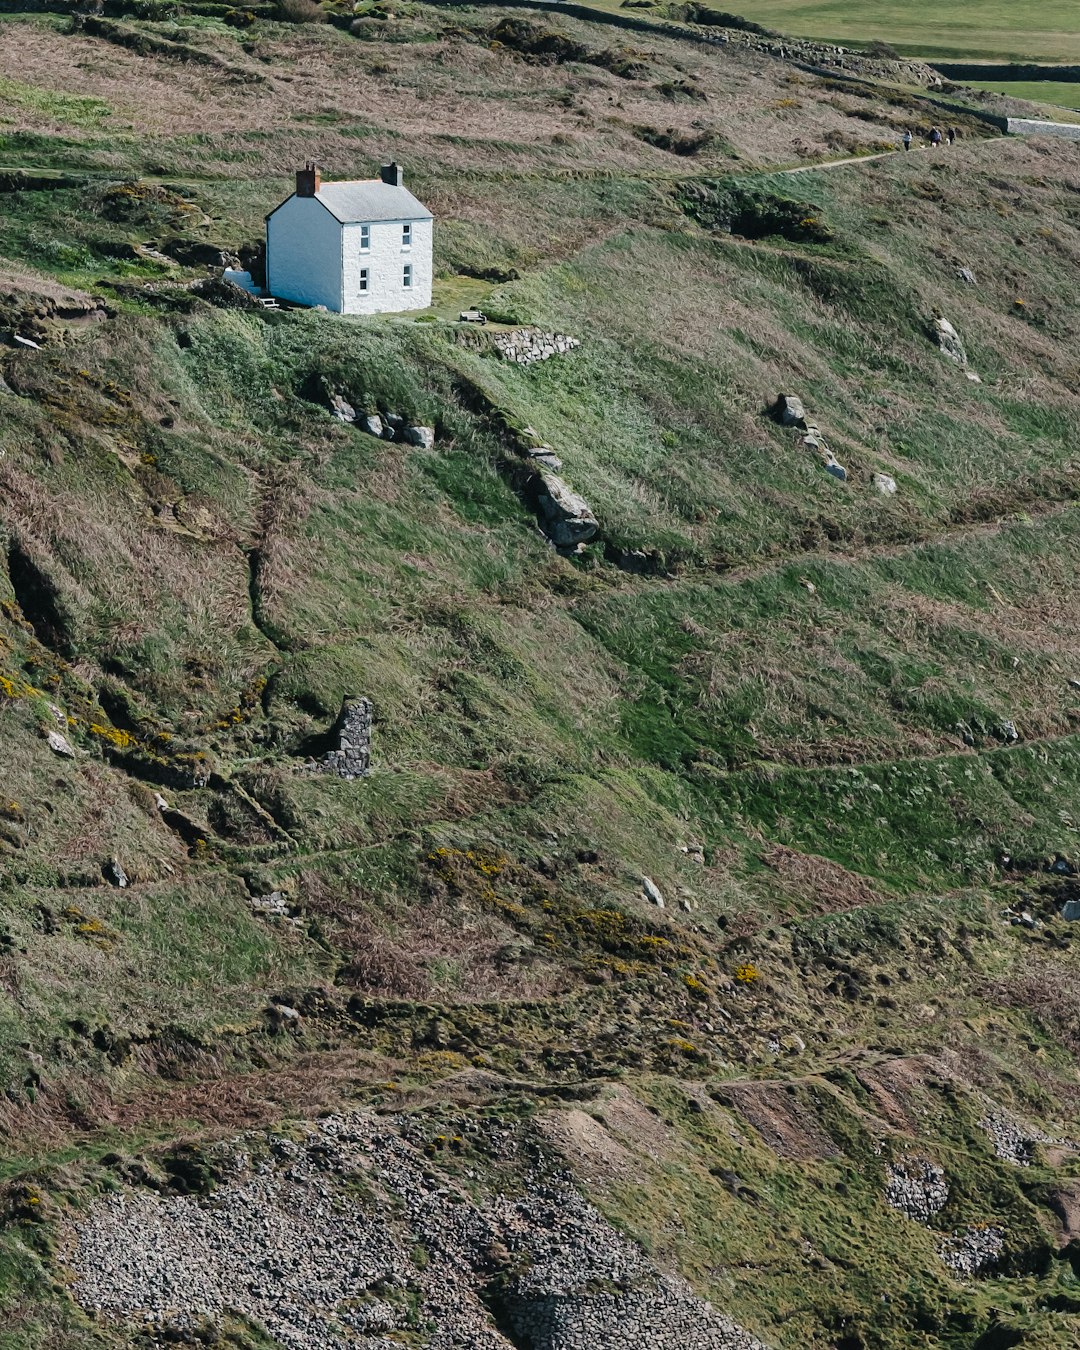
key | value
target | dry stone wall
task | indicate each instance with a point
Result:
(526, 345)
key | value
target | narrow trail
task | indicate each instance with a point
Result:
(841, 163)
(948, 535)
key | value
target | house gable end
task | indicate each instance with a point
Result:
(292, 196)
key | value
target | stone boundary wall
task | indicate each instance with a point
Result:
(1031, 126)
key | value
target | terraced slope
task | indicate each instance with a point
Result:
(715, 871)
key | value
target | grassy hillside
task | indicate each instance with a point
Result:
(837, 727)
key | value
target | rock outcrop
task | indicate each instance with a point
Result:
(342, 409)
(974, 1249)
(565, 516)
(388, 426)
(948, 341)
(59, 745)
(790, 411)
(423, 437)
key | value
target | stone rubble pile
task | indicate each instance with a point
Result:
(349, 1237)
(274, 905)
(583, 1286)
(973, 1249)
(916, 1187)
(1013, 1140)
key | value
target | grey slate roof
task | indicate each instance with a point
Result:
(370, 199)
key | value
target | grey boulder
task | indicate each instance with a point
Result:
(566, 516)
(424, 437)
(60, 745)
(653, 892)
(790, 411)
(948, 341)
(342, 409)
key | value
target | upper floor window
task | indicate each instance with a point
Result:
(406, 236)
(406, 276)
(365, 238)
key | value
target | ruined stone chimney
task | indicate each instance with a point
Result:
(392, 173)
(308, 180)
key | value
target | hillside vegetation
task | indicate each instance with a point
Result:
(836, 727)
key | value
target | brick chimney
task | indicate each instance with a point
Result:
(308, 180)
(392, 173)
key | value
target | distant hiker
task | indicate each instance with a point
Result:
(935, 138)
(907, 139)
(950, 135)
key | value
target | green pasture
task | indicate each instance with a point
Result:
(979, 29)
(1061, 93)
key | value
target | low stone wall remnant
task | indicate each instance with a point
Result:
(526, 345)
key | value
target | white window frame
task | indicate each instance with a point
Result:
(363, 280)
(406, 277)
(406, 234)
(365, 238)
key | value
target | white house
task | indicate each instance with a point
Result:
(360, 247)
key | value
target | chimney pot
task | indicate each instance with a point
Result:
(392, 173)
(308, 180)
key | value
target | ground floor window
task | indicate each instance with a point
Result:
(363, 278)
(406, 276)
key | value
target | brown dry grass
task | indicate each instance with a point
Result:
(448, 104)
(26, 281)
(1049, 991)
(222, 1099)
(416, 956)
(785, 1121)
(817, 885)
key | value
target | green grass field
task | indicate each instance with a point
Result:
(979, 29)
(1060, 93)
